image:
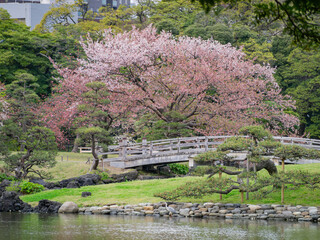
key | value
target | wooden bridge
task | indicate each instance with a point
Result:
(128, 155)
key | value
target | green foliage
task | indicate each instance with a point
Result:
(300, 18)
(39, 149)
(258, 133)
(211, 157)
(180, 169)
(4, 176)
(235, 144)
(294, 152)
(103, 175)
(151, 128)
(270, 144)
(23, 51)
(13, 187)
(168, 26)
(27, 187)
(259, 53)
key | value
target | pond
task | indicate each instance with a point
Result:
(37, 226)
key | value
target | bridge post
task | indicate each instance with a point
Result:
(151, 148)
(144, 146)
(206, 144)
(191, 163)
(178, 145)
(198, 142)
(123, 145)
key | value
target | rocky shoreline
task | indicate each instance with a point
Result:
(212, 210)
(10, 202)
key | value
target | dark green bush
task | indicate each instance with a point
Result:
(5, 176)
(179, 168)
(29, 187)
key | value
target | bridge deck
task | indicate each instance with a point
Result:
(177, 149)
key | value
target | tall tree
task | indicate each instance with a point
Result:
(209, 85)
(25, 144)
(94, 118)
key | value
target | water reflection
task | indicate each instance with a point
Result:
(60, 227)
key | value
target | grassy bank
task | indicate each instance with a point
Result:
(143, 191)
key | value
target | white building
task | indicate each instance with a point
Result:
(27, 11)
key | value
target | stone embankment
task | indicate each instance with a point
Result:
(212, 210)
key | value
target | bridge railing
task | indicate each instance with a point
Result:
(178, 146)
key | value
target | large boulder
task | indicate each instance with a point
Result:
(47, 206)
(38, 181)
(69, 207)
(128, 176)
(10, 202)
(52, 185)
(84, 180)
(73, 184)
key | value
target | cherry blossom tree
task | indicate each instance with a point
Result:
(209, 86)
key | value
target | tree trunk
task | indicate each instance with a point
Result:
(75, 148)
(268, 165)
(247, 193)
(21, 165)
(282, 186)
(94, 154)
(220, 176)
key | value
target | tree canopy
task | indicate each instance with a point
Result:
(300, 18)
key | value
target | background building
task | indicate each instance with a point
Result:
(31, 11)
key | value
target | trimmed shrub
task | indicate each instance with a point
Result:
(27, 187)
(179, 168)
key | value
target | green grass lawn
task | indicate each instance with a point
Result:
(142, 191)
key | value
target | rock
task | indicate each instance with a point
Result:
(69, 207)
(184, 212)
(262, 217)
(313, 211)
(287, 213)
(214, 209)
(254, 207)
(149, 212)
(96, 210)
(86, 194)
(236, 211)
(82, 209)
(292, 209)
(10, 202)
(223, 211)
(38, 181)
(208, 205)
(105, 211)
(47, 206)
(88, 182)
(266, 207)
(73, 184)
(148, 208)
(52, 185)
(128, 176)
(230, 206)
(187, 205)
(267, 212)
